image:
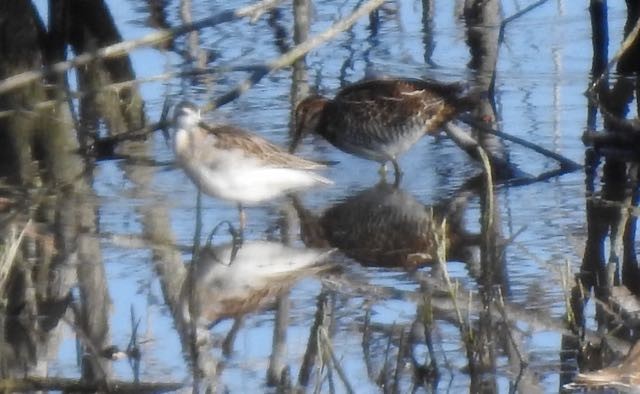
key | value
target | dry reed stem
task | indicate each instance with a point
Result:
(501, 308)
(75, 385)
(439, 234)
(9, 254)
(487, 217)
(565, 163)
(566, 290)
(323, 338)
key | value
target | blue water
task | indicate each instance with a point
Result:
(543, 70)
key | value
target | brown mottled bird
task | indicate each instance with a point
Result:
(381, 119)
(385, 226)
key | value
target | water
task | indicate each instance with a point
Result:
(542, 72)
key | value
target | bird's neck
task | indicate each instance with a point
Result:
(186, 122)
(182, 142)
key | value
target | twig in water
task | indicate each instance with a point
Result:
(72, 94)
(323, 336)
(398, 371)
(500, 304)
(311, 353)
(124, 47)
(565, 163)
(384, 373)
(566, 290)
(439, 237)
(487, 219)
(9, 255)
(294, 54)
(366, 342)
(517, 15)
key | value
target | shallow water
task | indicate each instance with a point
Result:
(543, 70)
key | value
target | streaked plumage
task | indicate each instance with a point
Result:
(381, 119)
(386, 226)
(229, 163)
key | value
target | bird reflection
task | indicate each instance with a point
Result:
(385, 226)
(260, 271)
(625, 375)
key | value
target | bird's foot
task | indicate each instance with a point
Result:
(237, 237)
(398, 173)
(382, 171)
(398, 179)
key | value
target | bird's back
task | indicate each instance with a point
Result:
(231, 138)
(399, 102)
(235, 165)
(387, 116)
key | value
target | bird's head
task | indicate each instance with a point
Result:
(307, 118)
(186, 115)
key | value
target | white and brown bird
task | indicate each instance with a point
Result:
(234, 165)
(261, 271)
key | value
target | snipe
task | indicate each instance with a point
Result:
(230, 163)
(385, 226)
(381, 119)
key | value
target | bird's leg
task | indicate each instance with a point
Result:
(243, 219)
(398, 172)
(227, 345)
(236, 243)
(196, 236)
(238, 239)
(383, 172)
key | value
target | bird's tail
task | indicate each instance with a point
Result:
(266, 259)
(466, 97)
(320, 180)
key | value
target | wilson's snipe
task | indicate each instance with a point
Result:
(381, 119)
(386, 226)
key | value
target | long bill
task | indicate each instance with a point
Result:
(297, 137)
(166, 135)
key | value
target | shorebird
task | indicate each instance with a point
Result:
(381, 119)
(385, 226)
(231, 164)
(261, 271)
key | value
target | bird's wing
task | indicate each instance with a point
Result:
(401, 91)
(430, 93)
(386, 103)
(230, 137)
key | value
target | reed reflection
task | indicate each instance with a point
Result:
(387, 226)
